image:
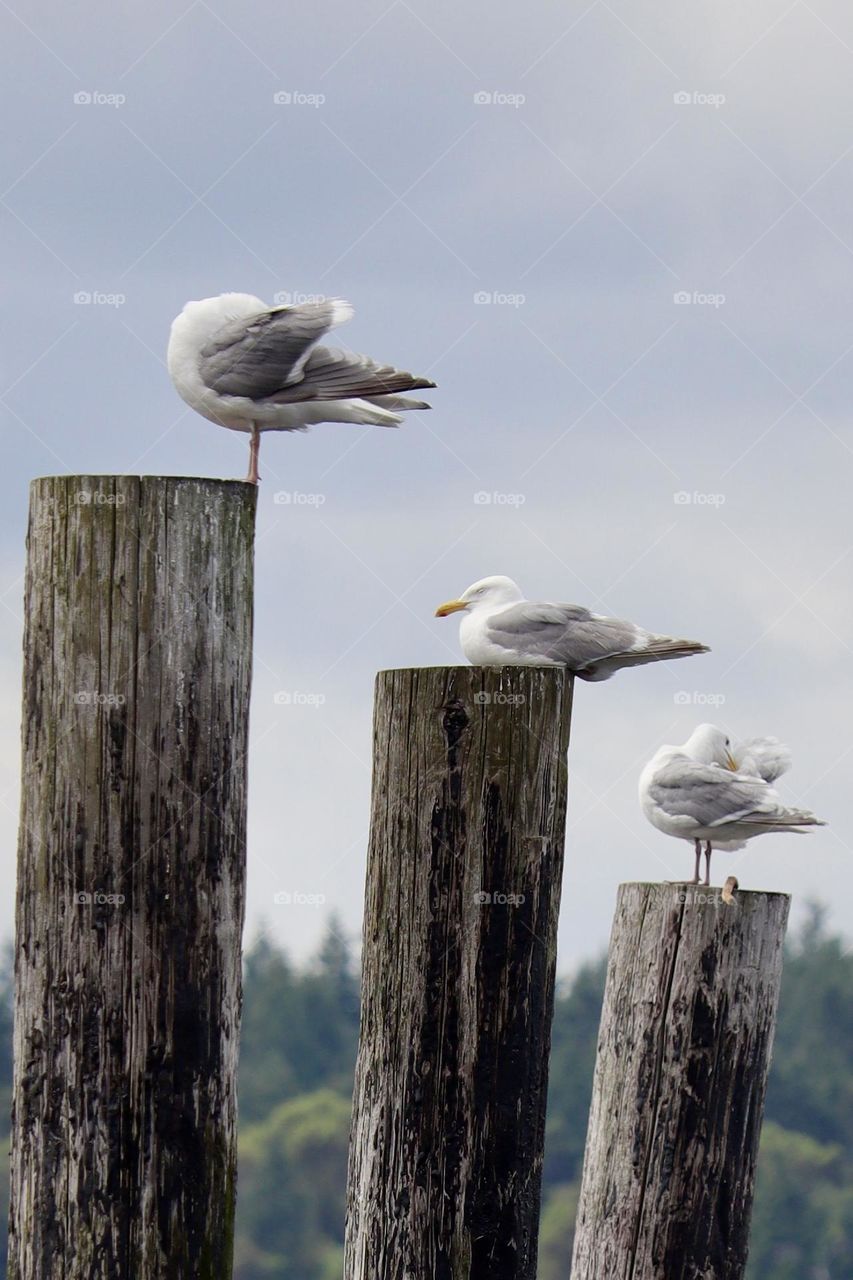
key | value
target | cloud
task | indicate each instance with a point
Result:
(598, 399)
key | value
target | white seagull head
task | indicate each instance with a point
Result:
(709, 745)
(488, 593)
(199, 320)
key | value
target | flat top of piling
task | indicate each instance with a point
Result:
(696, 890)
(108, 475)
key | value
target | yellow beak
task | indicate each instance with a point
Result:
(731, 763)
(451, 606)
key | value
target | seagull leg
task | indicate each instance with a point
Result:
(254, 450)
(707, 861)
(698, 847)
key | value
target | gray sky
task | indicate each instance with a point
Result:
(629, 153)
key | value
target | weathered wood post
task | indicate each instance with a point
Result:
(131, 878)
(463, 889)
(678, 1094)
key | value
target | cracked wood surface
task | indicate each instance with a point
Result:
(678, 1095)
(131, 872)
(463, 887)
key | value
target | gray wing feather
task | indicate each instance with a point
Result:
(561, 632)
(711, 795)
(329, 374)
(261, 355)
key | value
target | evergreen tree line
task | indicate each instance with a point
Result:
(300, 1031)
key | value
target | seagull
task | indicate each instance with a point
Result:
(697, 792)
(254, 368)
(501, 628)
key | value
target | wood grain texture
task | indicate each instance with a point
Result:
(463, 888)
(131, 873)
(678, 1096)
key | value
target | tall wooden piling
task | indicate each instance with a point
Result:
(463, 888)
(678, 1095)
(131, 865)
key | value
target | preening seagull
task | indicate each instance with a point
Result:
(697, 792)
(254, 368)
(501, 628)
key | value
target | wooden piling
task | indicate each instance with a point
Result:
(678, 1094)
(463, 888)
(131, 872)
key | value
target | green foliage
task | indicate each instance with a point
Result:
(297, 1056)
(574, 1036)
(811, 1084)
(7, 1000)
(789, 1223)
(292, 1178)
(300, 1028)
(802, 1224)
(557, 1231)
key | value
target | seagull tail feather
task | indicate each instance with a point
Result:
(396, 403)
(787, 820)
(657, 649)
